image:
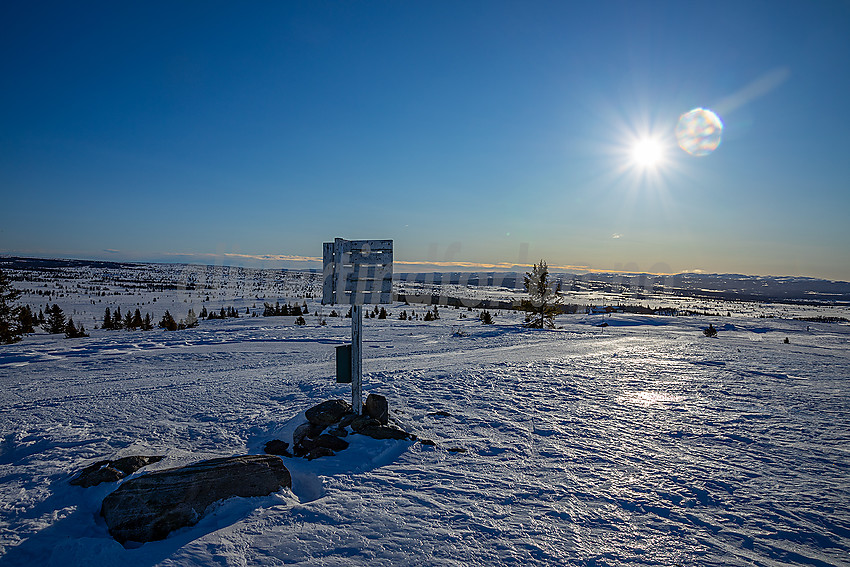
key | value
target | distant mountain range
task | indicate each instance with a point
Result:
(730, 287)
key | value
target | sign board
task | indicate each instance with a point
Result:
(357, 272)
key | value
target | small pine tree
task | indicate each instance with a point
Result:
(300, 320)
(107, 320)
(710, 331)
(167, 322)
(55, 323)
(382, 314)
(74, 332)
(191, 319)
(304, 308)
(544, 302)
(26, 320)
(486, 317)
(136, 322)
(203, 314)
(117, 321)
(147, 324)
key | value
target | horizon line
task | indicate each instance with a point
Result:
(197, 258)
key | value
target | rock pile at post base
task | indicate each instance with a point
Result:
(330, 421)
(149, 507)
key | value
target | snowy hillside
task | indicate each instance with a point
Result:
(642, 443)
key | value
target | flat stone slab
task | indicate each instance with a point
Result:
(149, 507)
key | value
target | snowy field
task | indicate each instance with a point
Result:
(640, 443)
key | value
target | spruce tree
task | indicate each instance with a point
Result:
(167, 322)
(74, 332)
(544, 302)
(107, 320)
(26, 320)
(55, 323)
(10, 327)
(147, 324)
(117, 321)
(136, 323)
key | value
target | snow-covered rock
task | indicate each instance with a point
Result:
(149, 507)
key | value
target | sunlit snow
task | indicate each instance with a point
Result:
(642, 442)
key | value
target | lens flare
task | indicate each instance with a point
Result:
(699, 131)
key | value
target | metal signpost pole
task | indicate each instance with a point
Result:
(356, 358)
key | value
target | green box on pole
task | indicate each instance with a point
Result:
(343, 364)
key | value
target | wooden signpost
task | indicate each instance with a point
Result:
(356, 272)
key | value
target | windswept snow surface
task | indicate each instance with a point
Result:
(641, 443)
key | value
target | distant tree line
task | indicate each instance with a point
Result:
(285, 310)
(130, 321)
(223, 313)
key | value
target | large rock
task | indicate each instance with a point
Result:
(112, 471)
(149, 507)
(328, 413)
(376, 407)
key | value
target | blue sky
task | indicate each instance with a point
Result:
(474, 134)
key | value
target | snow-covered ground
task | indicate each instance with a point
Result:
(642, 442)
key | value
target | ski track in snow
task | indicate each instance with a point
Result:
(642, 444)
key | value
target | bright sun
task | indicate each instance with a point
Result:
(647, 153)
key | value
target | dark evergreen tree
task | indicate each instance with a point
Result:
(26, 320)
(74, 332)
(10, 327)
(147, 324)
(382, 314)
(544, 302)
(304, 309)
(300, 320)
(107, 320)
(167, 322)
(136, 321)
(128, 321)
(117, 321)
(55, 323)
(486, 317)
(203, 314)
